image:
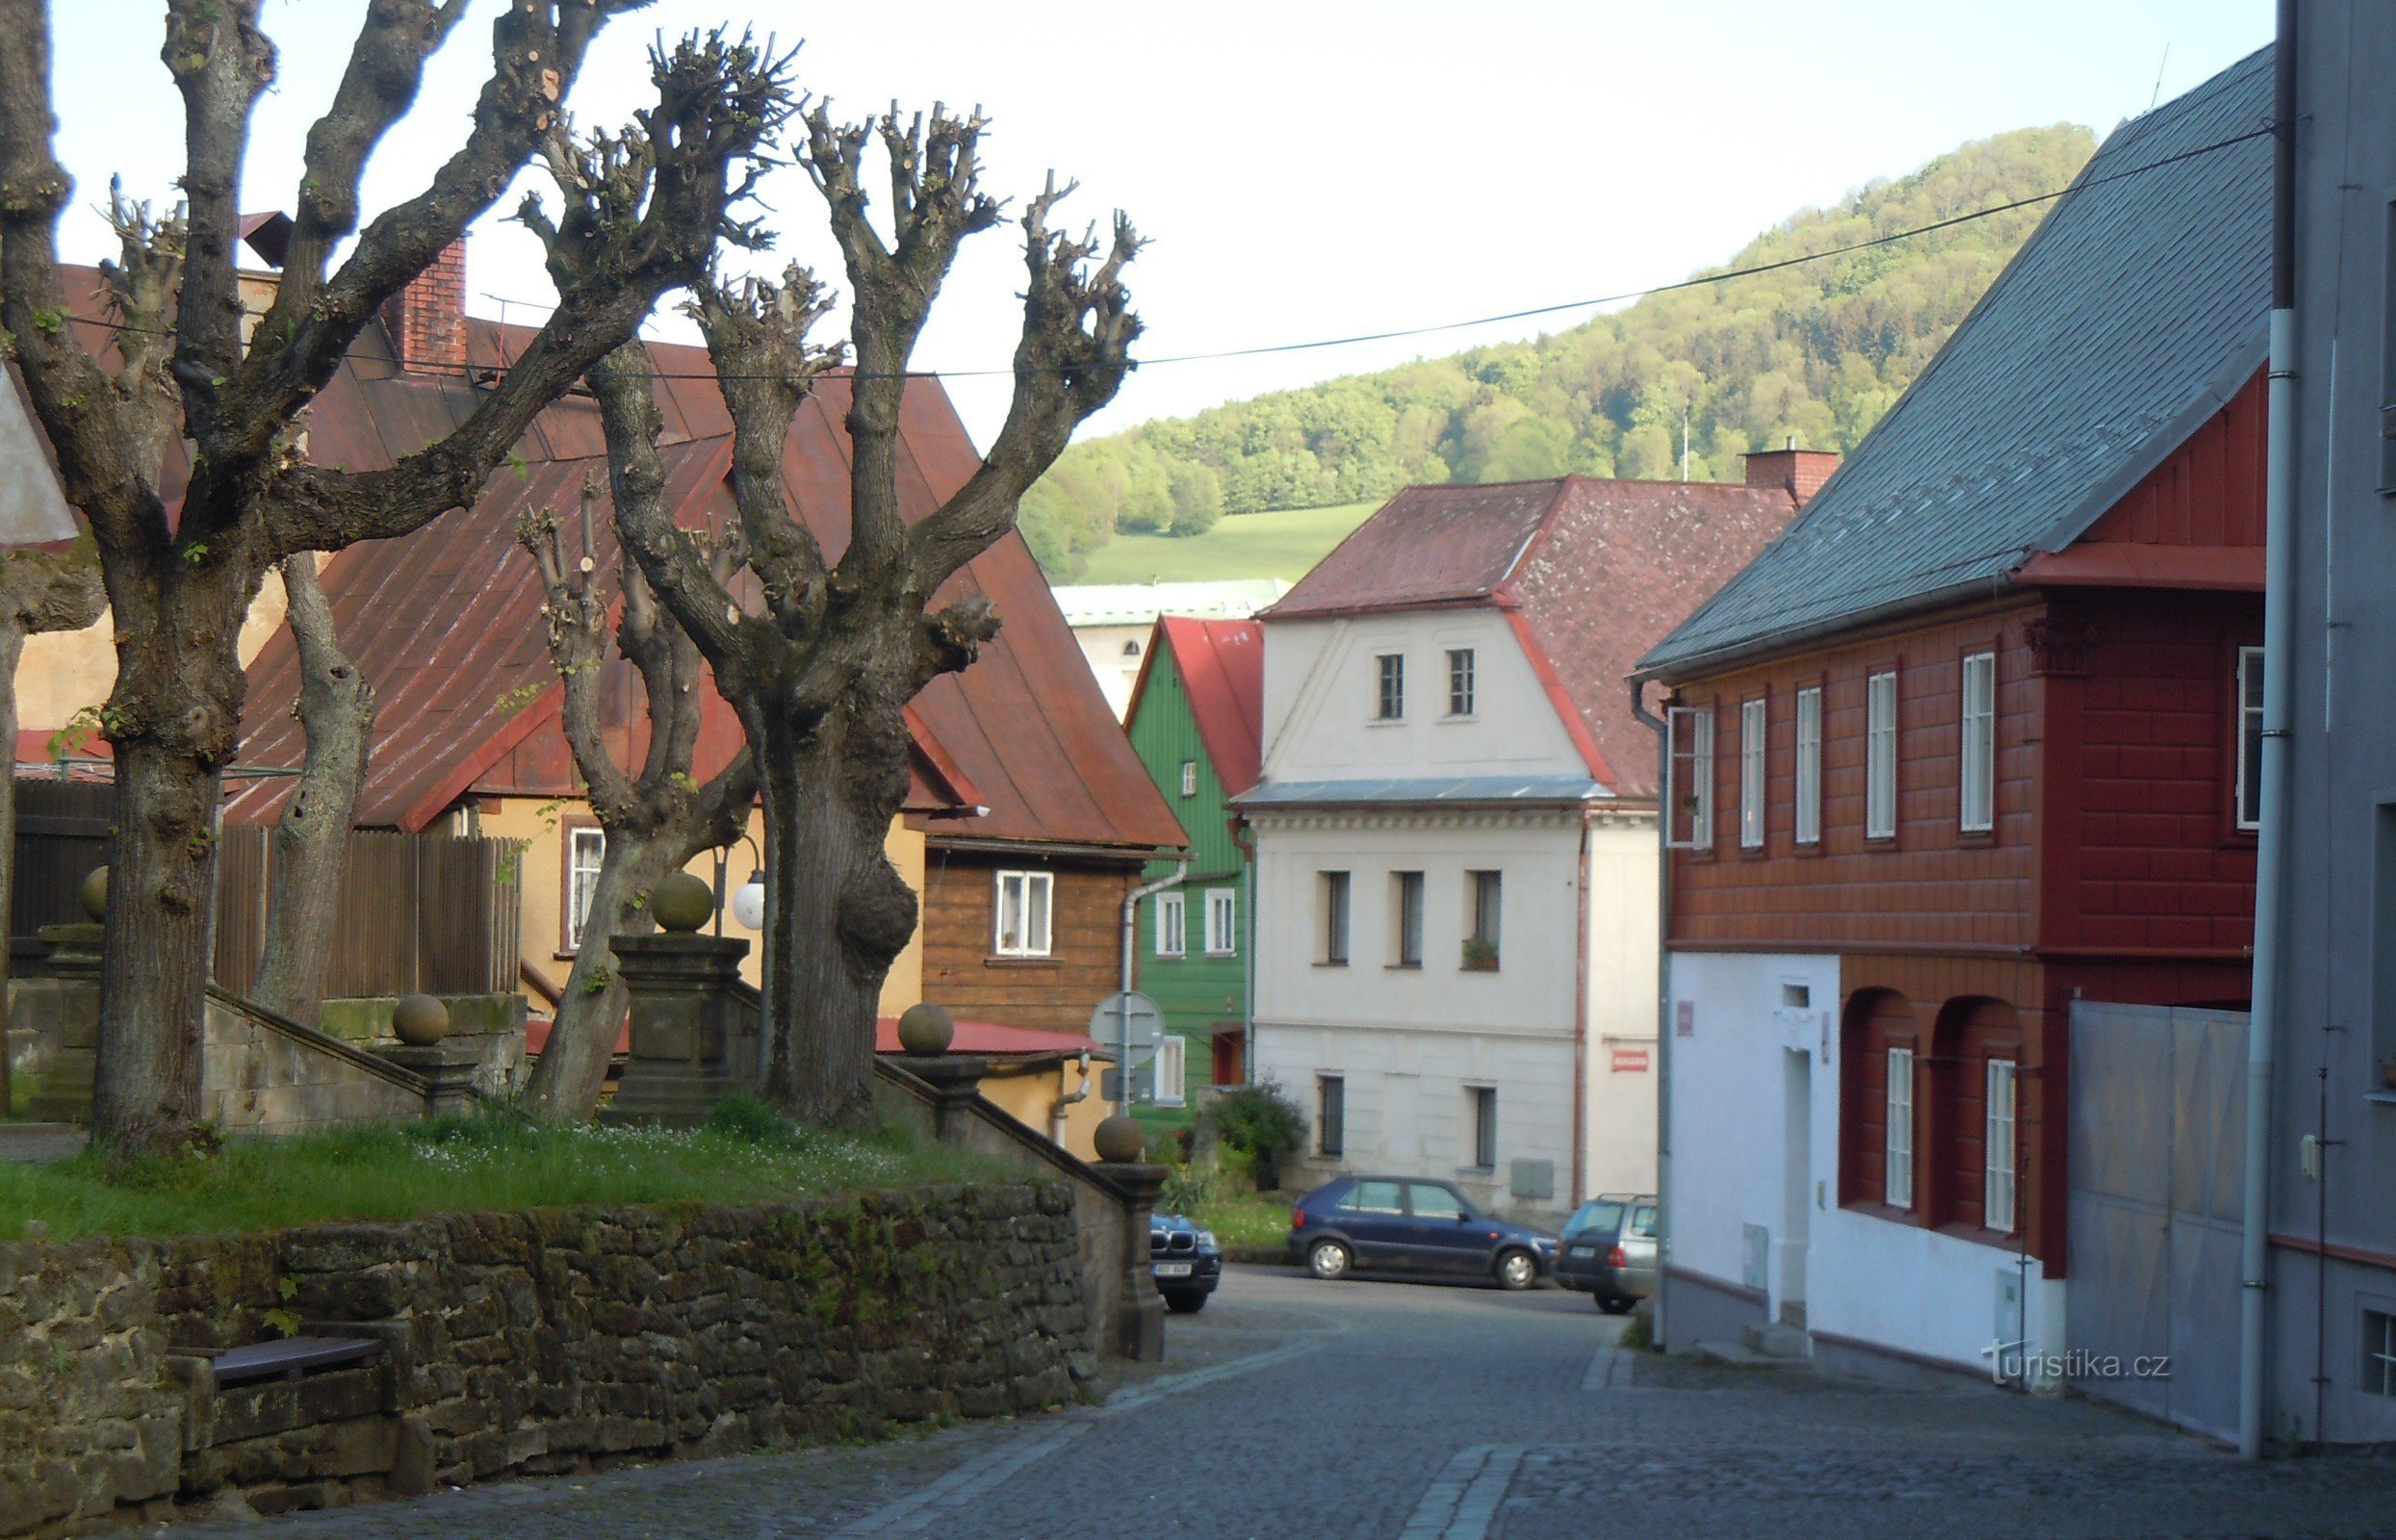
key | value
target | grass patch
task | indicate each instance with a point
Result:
(1246, 1218)
(747, 1154)
(1245, 545)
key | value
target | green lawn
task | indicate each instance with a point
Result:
(1247, 545)
(747, 1155)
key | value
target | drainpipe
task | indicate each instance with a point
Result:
(1244, 836)
(1123, 1015)
(2279, 666)
(1056, 1107)
(1663, 998)
(1581, 1020)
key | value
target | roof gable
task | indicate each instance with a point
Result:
(2132, 316)
(1221, 666)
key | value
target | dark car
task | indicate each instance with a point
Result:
(1608, 1251)
(1185, 1260)
(1405, 1224)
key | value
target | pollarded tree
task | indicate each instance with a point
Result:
(821, 670)
(657, 819)
(642, 212)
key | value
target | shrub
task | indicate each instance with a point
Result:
(1260, 1122)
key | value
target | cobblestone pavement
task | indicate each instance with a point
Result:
(1398, 1412)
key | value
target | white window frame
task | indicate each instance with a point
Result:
(583, 878)
(1189, 778)
(1029, 900)
(1997, 1146)
(1338, 890)
(1389, 687)
(2250, 761)
(1755, 720)
(1223, 921)
(1461, 682)
(1173, 925)
(1169, 1081)
(1896, 1181)
(1976, 775)
(1880, 755)
(1809, 786)
(1688, 775)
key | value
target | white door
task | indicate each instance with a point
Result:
(1401, 1142)
(1796, 1180)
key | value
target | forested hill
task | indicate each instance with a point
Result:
(1817, 351)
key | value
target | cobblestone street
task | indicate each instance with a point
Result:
(1402, 1412)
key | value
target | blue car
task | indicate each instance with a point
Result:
(1408, 1225)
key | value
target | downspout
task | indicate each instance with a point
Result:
(1244, 839)
(1057, 1108)
(1663, 1001)
(2279, 666)
(1580, 1023)
(1123, 1015)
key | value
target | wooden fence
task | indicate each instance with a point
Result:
(433, 912)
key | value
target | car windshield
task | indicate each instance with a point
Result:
(1597, 1214)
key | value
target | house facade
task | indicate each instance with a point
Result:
(1196, 720)
(1113, 622)
(1455, 858)
(2330, 1347)
(1967, 754)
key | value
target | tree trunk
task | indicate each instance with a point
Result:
(836, 915)
(11, 649)
(312, 839)
(572, 1067)
(156, 950)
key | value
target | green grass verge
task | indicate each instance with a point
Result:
(747, 1154)
(1249, 1220)
(1247, 545)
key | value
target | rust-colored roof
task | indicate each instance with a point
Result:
(1223, 672)
(995, 1039)
(445, 621)
(1592, 572)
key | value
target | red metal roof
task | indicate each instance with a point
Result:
(445, 621)
(1593, 572)
(993, 1037)
(1223, 672)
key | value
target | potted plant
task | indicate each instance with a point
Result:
(1479, 955)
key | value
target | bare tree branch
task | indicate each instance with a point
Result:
(222, 63)
(574, 613)
(1079, 328)
(141, 288)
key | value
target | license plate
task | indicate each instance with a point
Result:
(1172, 1269)
(1585, 1250)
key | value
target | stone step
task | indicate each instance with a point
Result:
(1777, 1340)
(40, 1142)
(1739, 1355)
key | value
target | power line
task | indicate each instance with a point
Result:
(485, 371)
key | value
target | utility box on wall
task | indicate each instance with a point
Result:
(1533, 1180)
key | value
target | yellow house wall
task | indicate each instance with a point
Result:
(1027, 1098)
(540, 825)
(66, 671)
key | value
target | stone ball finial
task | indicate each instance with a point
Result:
(682, 902)
(1120, 1140)
(93, 893)
(926, 1030)
(420, 1020)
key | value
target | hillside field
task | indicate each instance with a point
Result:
(1247, 545)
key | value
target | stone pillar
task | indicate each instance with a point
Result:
(450, 1068)
(1140, 1317)
(694, 1027)
(64, 1005)
(956, 1081)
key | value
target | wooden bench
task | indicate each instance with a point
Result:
(294, 1357)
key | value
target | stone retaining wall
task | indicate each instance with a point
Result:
(521, 1344)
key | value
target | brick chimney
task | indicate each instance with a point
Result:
(427, 318)
(1800, 473)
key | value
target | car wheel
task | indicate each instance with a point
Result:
(1186, 1301)
(1328, 1259)
(1614, 1304)
(1517, 1269)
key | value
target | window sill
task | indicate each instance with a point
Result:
(1161, 956)
(1806, 847)
(1215, 954)
(1477, 967)
(1332, 963)
(1978, 1235)
(1910, 1218)
(2385, 1098)
(1021, 963)
(1402, 967)
(1386, 722)
(1459, 717)
(1753, 852)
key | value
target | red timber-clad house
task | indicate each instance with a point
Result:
(1019, 754)
(1973, 742)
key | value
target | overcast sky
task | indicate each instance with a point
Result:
(1306, 168)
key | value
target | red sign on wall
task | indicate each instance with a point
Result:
(1630, 1060)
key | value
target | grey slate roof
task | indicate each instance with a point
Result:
(2133, 315)
(1443, 789)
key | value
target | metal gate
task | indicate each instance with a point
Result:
(2157, 1100)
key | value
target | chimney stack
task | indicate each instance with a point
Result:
(1799, 472)
(427, 318)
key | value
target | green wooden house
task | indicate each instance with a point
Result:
(1196, 720)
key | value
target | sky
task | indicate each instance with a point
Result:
(1304, 169)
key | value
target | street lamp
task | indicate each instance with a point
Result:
(748, 903)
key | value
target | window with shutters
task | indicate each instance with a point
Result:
(1880, 757)
(1689, 771)
(1223, 936)
(1977, 774)
(1173, 925)
(1809, 779)
(1753, 717)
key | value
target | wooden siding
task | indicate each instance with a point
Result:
(1932, 885)
(2209, 492)
(1056, 993)
(1194, 991)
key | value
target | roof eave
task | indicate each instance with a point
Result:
(1671, 670)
